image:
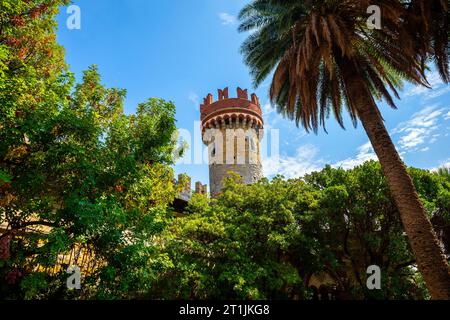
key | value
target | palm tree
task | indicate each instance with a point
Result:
(430, 21)
(323, 56)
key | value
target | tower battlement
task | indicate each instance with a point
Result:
(240, 109)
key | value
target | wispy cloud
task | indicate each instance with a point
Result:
(227, 19)
(437, 93)
(434, 81)
(438, 88)
(307, 160)
(447, 116)
(268, 109)
(274, 120)
(419, 129)
(270, 116)
(414, 135)
(303, 162)
(365, 153)
(443, 164)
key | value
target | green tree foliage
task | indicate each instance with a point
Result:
(266, 240)
(244, 245)
(30, 59)
(95, 177)
(359, 225)
(75, 171)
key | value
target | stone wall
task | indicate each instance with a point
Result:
(250, 173)
(234, 148)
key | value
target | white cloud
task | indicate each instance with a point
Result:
(303, 162)
(417, 90)
(306, 160)
(438, 88)
(434, 138)
(445, 163)
(270, 116)
(268, 109)
(227, 19)
(437, 93)
(275, 121)
(419, 129)
(365, 153)
(434, 80)
(447, 116)
(414, 138)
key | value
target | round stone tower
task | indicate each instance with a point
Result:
(232, 128)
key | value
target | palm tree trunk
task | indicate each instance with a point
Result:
(422, 238)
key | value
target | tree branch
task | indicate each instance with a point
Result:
(36, 223)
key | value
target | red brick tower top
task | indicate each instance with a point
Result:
(225, 109)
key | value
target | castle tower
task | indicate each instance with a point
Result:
(232, 128)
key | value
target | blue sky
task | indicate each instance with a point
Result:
(181, 50)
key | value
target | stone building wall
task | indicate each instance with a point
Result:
(235, 148)
(250, 173)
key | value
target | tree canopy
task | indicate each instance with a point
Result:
(266, 241)
(75, 170)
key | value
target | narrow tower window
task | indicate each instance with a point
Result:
(213, 150)
(252, 145)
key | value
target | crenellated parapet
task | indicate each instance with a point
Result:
(240, 110)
